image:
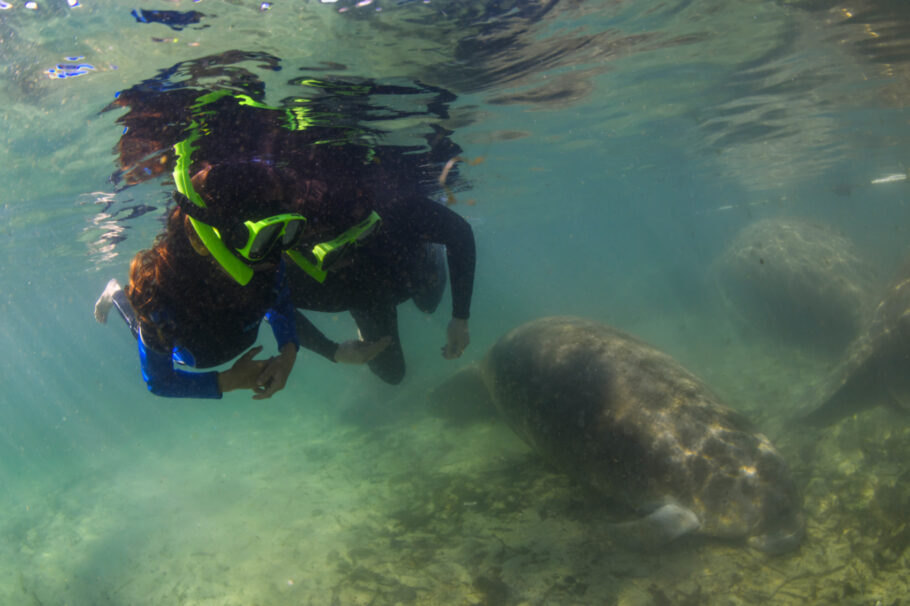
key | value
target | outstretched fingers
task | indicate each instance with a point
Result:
(106, 301)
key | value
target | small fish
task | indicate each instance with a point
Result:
(890, 178)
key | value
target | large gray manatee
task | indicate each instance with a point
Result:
(632, 423)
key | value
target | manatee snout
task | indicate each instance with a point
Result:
(779, 541)
(783, 528)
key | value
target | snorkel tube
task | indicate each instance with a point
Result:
(322, 251)
(237, 269)
(312, 270)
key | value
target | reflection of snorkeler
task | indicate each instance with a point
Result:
(176, 20)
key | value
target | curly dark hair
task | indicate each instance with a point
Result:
(173, 276)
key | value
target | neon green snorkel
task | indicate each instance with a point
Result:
(322, 256)
(237, 269)
(325, 254)
(295, 118)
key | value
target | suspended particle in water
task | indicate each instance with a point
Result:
(5, 6)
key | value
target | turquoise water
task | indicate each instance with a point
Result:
(618, 149)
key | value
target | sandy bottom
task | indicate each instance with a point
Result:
(413, 500)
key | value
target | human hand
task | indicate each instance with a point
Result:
(457, 338)
(106, 301)
(275, 375)
(356, 351)
(244, 373)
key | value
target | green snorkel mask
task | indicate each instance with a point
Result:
(232, 244)
(250, 240)
(318, 261)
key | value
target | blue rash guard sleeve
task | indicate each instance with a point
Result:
(281, 317)
(165, 380)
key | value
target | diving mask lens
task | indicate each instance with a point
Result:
(264, 235)
(333, 257)
(292, 234)
(332, 252)
(371, 225)
(264, 241)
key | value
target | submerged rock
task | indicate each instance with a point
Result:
(799, 281)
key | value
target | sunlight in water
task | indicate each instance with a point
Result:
(717, 189)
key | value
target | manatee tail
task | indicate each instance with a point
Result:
(655, 530)
(841, 404)
(860, 388)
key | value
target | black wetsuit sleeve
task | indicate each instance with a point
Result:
(441, 224)
(312, 338)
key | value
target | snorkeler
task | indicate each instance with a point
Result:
(197, 297)
(379, 264)
(187, 307)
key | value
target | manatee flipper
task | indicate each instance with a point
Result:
(663, 525)
(879, 378)
(462, 399)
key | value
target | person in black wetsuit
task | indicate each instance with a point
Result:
(388, 241)
(405, 258)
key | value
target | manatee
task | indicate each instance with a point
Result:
(800, 282)
(633, 424)
(876, 367)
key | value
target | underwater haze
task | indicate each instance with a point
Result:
(726, 181)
